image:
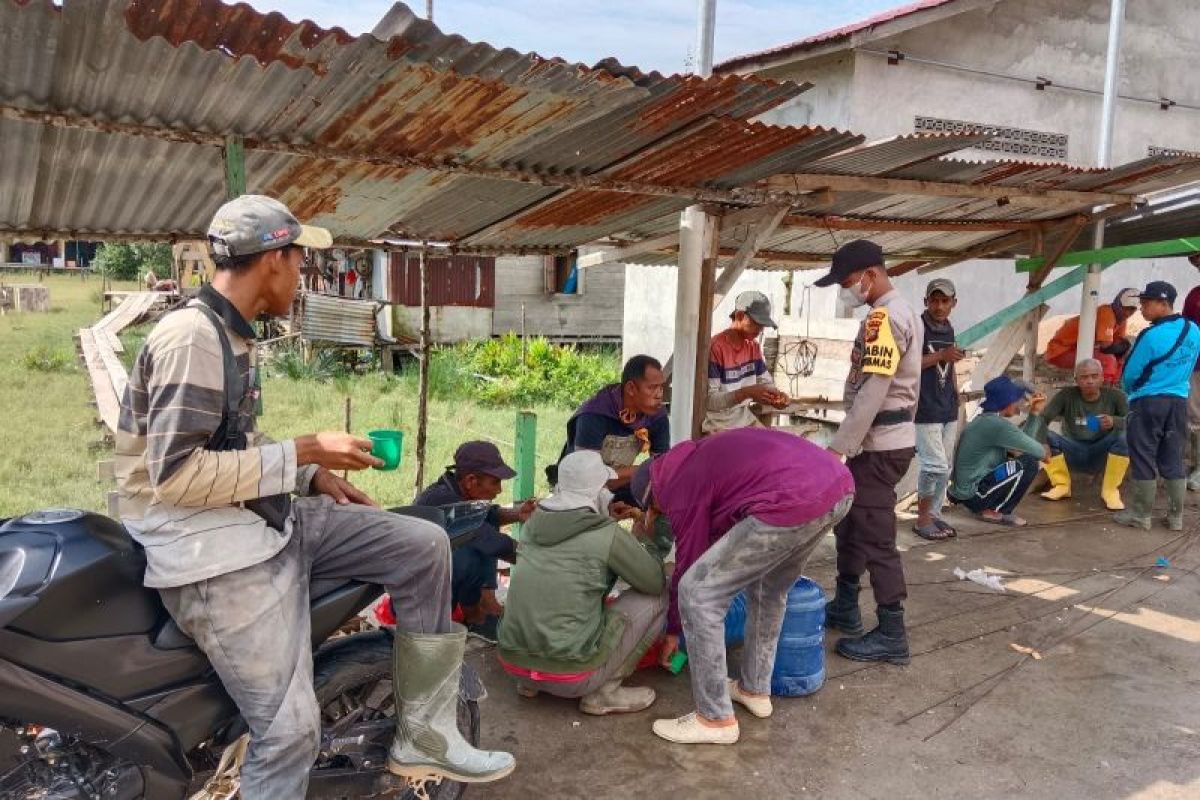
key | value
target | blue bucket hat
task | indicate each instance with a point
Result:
(1001, 393)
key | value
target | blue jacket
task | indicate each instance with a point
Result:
(1169, 377)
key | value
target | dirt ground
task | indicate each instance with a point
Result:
(1111, 710)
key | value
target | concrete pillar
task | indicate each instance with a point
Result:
(4, 259)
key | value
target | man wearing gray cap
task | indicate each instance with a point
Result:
(877, 437)
(234, 554)
(737, 372)
(937, 410)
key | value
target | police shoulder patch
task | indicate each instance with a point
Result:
(880, 355)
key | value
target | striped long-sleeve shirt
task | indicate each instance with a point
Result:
(733, 363)
(180, 500)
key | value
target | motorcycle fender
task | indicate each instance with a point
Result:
(470, 685)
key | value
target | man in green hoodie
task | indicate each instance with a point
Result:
(558, 635)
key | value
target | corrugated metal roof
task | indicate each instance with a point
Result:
(112, 113)
(1176, 217)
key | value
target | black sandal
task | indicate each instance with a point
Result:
(931, 532)
(945, 527)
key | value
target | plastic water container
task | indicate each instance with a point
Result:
(800, 659)
(735, 621)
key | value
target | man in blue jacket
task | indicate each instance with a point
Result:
(1156, 379)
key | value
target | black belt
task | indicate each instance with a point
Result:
(893, 417)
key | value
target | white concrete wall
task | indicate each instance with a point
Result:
(1064, 40)
(827, 103)
(650, 305)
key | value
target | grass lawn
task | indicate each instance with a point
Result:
(51, 442)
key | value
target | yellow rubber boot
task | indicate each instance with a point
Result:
(1114, 472)
(1060, 478)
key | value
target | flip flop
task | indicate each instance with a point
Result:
(1007, 520)
(930, 532)
(945, 527)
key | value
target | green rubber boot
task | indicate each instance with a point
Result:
(1193, 481)
(1176, 494)
(1138, 513)
(429, 746)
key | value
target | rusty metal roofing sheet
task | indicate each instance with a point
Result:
(400, 134)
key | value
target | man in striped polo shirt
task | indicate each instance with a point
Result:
(737, 372)
(234, 555)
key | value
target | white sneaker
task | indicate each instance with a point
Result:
(688, 730)
(758, 706)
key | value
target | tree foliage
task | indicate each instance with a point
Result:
(130, 261)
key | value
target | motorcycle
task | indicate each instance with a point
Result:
(103, 697)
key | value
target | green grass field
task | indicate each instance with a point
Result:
(51, 442)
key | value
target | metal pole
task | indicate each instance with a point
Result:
(429, 10)
(1091, 285)
(705, 36)
(693, 227)
(423, 379)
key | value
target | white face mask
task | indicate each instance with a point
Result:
(853, 296)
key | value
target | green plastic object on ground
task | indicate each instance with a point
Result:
(677, 662)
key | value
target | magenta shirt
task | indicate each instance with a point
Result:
(705, 487)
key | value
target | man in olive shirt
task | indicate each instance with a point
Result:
(997, 461)
(1093, 418)
(877, 438)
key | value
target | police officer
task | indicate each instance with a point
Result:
(877, 439)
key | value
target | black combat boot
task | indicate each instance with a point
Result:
(886, 642)
(841, 613)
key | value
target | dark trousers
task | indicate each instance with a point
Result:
(1005, 486)
(474, 566)
(1157, 432)
(866, 536)
(1088, 457)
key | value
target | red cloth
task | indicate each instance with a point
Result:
(386, 616)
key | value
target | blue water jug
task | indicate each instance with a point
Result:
(800, 659)
(735, 621)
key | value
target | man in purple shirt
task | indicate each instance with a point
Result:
(747, 508)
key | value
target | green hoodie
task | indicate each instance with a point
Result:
(555, 619)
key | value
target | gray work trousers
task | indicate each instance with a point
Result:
(253, 624)
(766, 562)
(645, 618)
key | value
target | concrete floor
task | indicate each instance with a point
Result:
(1112, 710)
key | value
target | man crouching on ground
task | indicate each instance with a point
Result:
(747, 508)
(233, 555)
(558, 636)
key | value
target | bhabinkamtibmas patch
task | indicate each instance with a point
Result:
(881, 356)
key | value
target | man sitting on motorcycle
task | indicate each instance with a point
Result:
(233, 554)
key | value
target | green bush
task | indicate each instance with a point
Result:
(503, 372)
(45, 359)
(288, 362)
(130, 261)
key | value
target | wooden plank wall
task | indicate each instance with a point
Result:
(598, 313)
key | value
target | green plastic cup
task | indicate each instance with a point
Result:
(678, 659)
(388, 447)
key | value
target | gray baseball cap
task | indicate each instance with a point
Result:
(757, 307)
(943, 285)
(253, 223)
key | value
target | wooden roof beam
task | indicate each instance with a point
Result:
(1025, 197)
(900, 225)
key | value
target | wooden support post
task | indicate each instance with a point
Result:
(708, 280)
(235, 167)
(693, 229)
(1032, 323)
(526, 458)
(761, 231)
(423, 379)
